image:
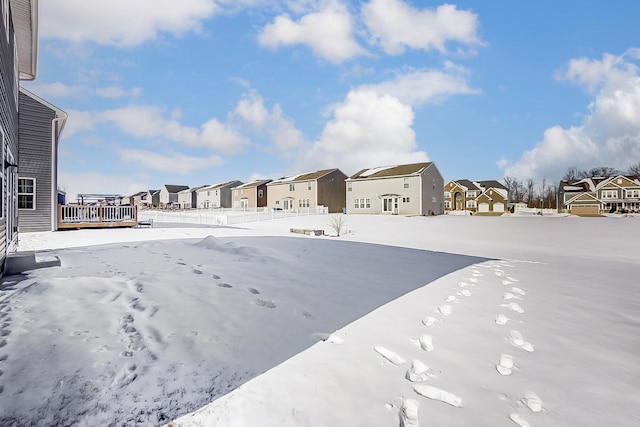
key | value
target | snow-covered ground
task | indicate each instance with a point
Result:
(450, 320)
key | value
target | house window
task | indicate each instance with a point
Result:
(632, 194)
(303, 203)
(471, 194)
(236, 193)
(405, 200)
(277, 202)
(349, 186)
(26, 193)
(447, 204)
(447, 195)
(309, 185)
(356, 203)
(406, 183)
(471, 203)
(260, 194)
(434, 199)
(292, 187)
(609, 194)
(433, 184)
(208, 193)
(368, 203)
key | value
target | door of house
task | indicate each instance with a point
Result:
(390, 205)
(458, 202)
(287, 204)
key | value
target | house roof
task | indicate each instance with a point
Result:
(256, 183)
(391, 171)
(219, 185)
(175, 188)
(24, 14)
(191, 190)
(309, 176)
(152, 192)
(139, 193)
(60, 114)
(492, 184)
(468, 184)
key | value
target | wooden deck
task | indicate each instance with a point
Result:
(81, 216)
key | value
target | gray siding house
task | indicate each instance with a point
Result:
(413, 189)
(216, 195)
(40, 127)
(169, 194)
(18, 60)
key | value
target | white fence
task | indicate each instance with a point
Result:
(70, 214)
(225, 216)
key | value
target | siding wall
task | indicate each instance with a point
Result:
(9, 125)
(374, 189)
(432, 191)
(35, 161)
(332, 192)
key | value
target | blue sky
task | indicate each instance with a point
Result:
(204, 91)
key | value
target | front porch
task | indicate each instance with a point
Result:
(83, 216)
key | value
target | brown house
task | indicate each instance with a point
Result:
(309, 191)
(484, 197)
(250, 195)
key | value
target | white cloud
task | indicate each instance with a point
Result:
(328, 32)
(418, 87)
(279, 128)
(54, 90)
(396, 26)
(172, 161)
(145, 121)
(122, 22)
(79, 121)
(367, 129)
(96, 183)
(609, 134)
(115, 92)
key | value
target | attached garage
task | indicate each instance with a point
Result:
(584, 210)
(483, 207)
(498, 207)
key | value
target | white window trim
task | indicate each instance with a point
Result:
(34, 193)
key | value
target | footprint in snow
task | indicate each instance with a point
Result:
(515, 338)
(519, 420)
(254, 291)
(434, 393)
(225, 285)
(196, 271)
(445, 309)
(216, 277)
(426, 342)
(389, 355)
(513, 306)
(265, 303)
(498, 272)
(430, 321)
(533, 402)
(518, 291)
(473, 279)
(409, 413)
(501, 319)
(465, 293)
(451, 298)
(305, 314)
(505, 364)
(418, 372)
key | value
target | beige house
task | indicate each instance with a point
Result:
(250, 195)
(483, 197)
(413, 189)
(308, 191)
(597, 195)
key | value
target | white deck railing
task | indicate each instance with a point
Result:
(73, 214)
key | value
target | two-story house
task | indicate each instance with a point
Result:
(483, 197)
(169, 195)
(597, 195)
(216, 195)
(412, 189)
(250, 195)
(308, 191)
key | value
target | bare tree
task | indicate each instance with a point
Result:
(337, 223)
(530, 194)
(634, 170)
(512, 187)
(600, 171)
(572, 173)
(543, 188)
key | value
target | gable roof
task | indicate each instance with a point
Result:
(468, 184)
(391, 171)
(492, 184)
(582, 197)
(219, 185)
(175, 188)
(309, 176)
(256, 183)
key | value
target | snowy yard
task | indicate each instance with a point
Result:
(402, 321)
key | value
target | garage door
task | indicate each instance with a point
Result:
(483, 207)
(584, 210)
(498, 207)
